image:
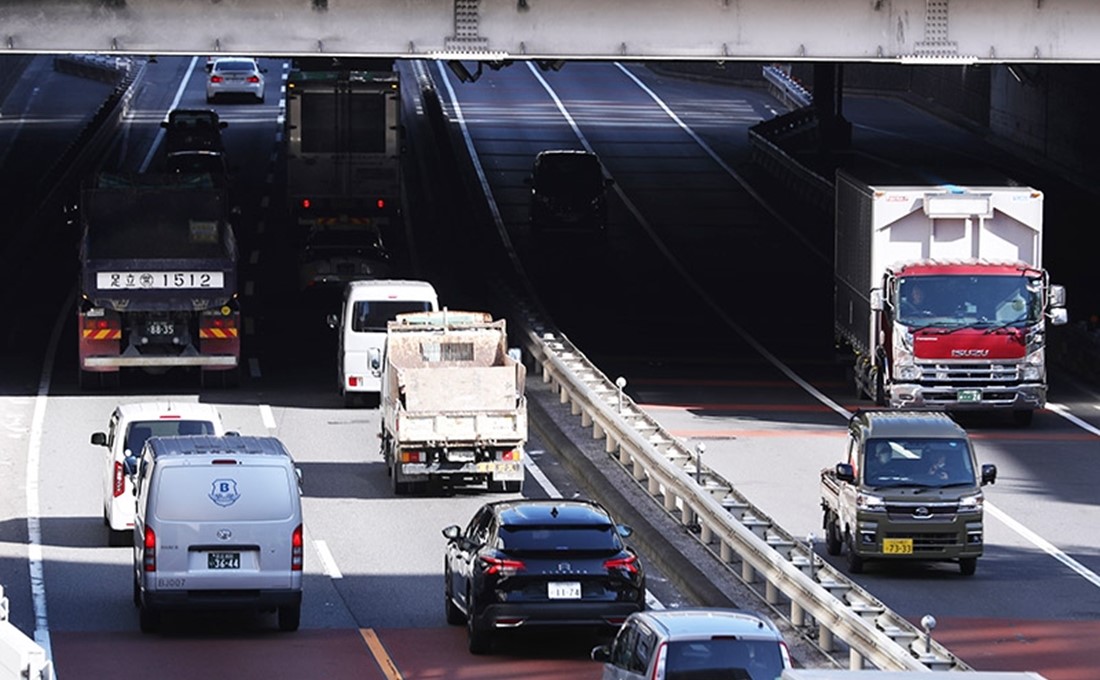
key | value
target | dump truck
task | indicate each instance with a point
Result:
(453, 407)
(941, 295)
(158, 278)
(910, 489)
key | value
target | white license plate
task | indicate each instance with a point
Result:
(158, 280)
(223, 560)
(563, 590)
(460, 456)
(160, 328)
(969, 396)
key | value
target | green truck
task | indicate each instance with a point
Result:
(910, 489)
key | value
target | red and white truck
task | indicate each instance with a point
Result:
(158, 279)
(941, 294)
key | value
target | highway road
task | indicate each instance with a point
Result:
(715, 308)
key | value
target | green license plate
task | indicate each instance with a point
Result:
(897, 546)
(969, 396)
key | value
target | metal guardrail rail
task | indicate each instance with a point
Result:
(20, 656)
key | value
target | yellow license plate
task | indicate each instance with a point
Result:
(897, 546)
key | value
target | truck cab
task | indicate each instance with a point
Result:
(909, 489)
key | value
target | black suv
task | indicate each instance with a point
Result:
(548, 562)
(193, 130)
(568, 191)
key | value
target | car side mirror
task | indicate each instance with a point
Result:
(452, 532)
(99, 439)
(624, 530)
(298, 474)
(601, 653)
(129, 465)
(223, 124)
(989, 474)
(845, 473)
(332, 320)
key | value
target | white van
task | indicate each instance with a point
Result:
(129, 427)
(367, 307)
(218, 526)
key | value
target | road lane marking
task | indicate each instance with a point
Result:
(1063, 411)
(175, 102)
(381, 657)
(266, 414)
(328, 563)
(1044, 545)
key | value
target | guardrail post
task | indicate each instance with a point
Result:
(699, 449)
(798, 615)
(771, 593)
(855, 659)
(748, 574)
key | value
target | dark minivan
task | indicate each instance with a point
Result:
(568, 191)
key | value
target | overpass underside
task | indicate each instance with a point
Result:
(898, 31)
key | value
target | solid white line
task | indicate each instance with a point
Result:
(160, 131)
(35, 561)
(1064, 411)
(1044, 545)
(542, 479)
(266, 414)
(328, 564)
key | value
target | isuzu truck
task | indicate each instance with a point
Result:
(942, 296)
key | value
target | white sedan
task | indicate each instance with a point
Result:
(235, 76)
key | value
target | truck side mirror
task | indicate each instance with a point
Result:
(1057, 296)
(601, 653)
(845, 473)
(374, 360)
(989, 474)
(1058, 316)
(876, 300)
(99, 439)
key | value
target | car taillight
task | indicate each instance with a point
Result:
(381, 204)
(496, 565)
(628, 563)
(215, 79)
(306, 203)
(659, 667)
(785, 653)
(150, 550)
(253, 79)
(296, 549)
(413, 457)
(513, 454)
(120, 480)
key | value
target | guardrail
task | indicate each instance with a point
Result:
(20, 656)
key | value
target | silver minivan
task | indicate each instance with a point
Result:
(218, 526)
(695, 644)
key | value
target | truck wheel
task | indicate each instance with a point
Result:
(833, 543)
(855, 561)
(880, 389)
(399, 488)
(968, 565)
(290, 617)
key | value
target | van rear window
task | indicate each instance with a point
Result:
(202, 493)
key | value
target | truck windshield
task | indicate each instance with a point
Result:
(967, 299)
(370, 316)
(918, 462)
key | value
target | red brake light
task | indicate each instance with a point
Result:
(496, 565)
(150, 561)
(381, 203)
(253, 79)
(627, 563)
(296, 549)
(120, 480)
(215, 79)
(306, 203)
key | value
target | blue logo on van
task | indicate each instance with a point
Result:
(224, 492)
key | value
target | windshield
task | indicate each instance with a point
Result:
(724, 658)
(918, 462)
(372, 315)
(959, 300)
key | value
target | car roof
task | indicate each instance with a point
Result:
(224, 60)
(155, 410)
(230, 446)
(550, 511)
(362, 289)
(899, 423)
(703, 622)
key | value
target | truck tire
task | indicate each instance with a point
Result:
(833, 542)
(855, 561)
(399, 488)
(968, 565)
(880, 388)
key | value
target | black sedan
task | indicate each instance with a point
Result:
(549, 562)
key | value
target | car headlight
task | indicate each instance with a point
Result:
(972, 503)
(870, 502)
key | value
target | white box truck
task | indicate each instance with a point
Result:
(453, 406)
(941, 294)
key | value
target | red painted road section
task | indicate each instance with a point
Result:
(1052, 648)
(418, 653)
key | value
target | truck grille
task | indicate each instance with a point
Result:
(904, 511)
(962, 375)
